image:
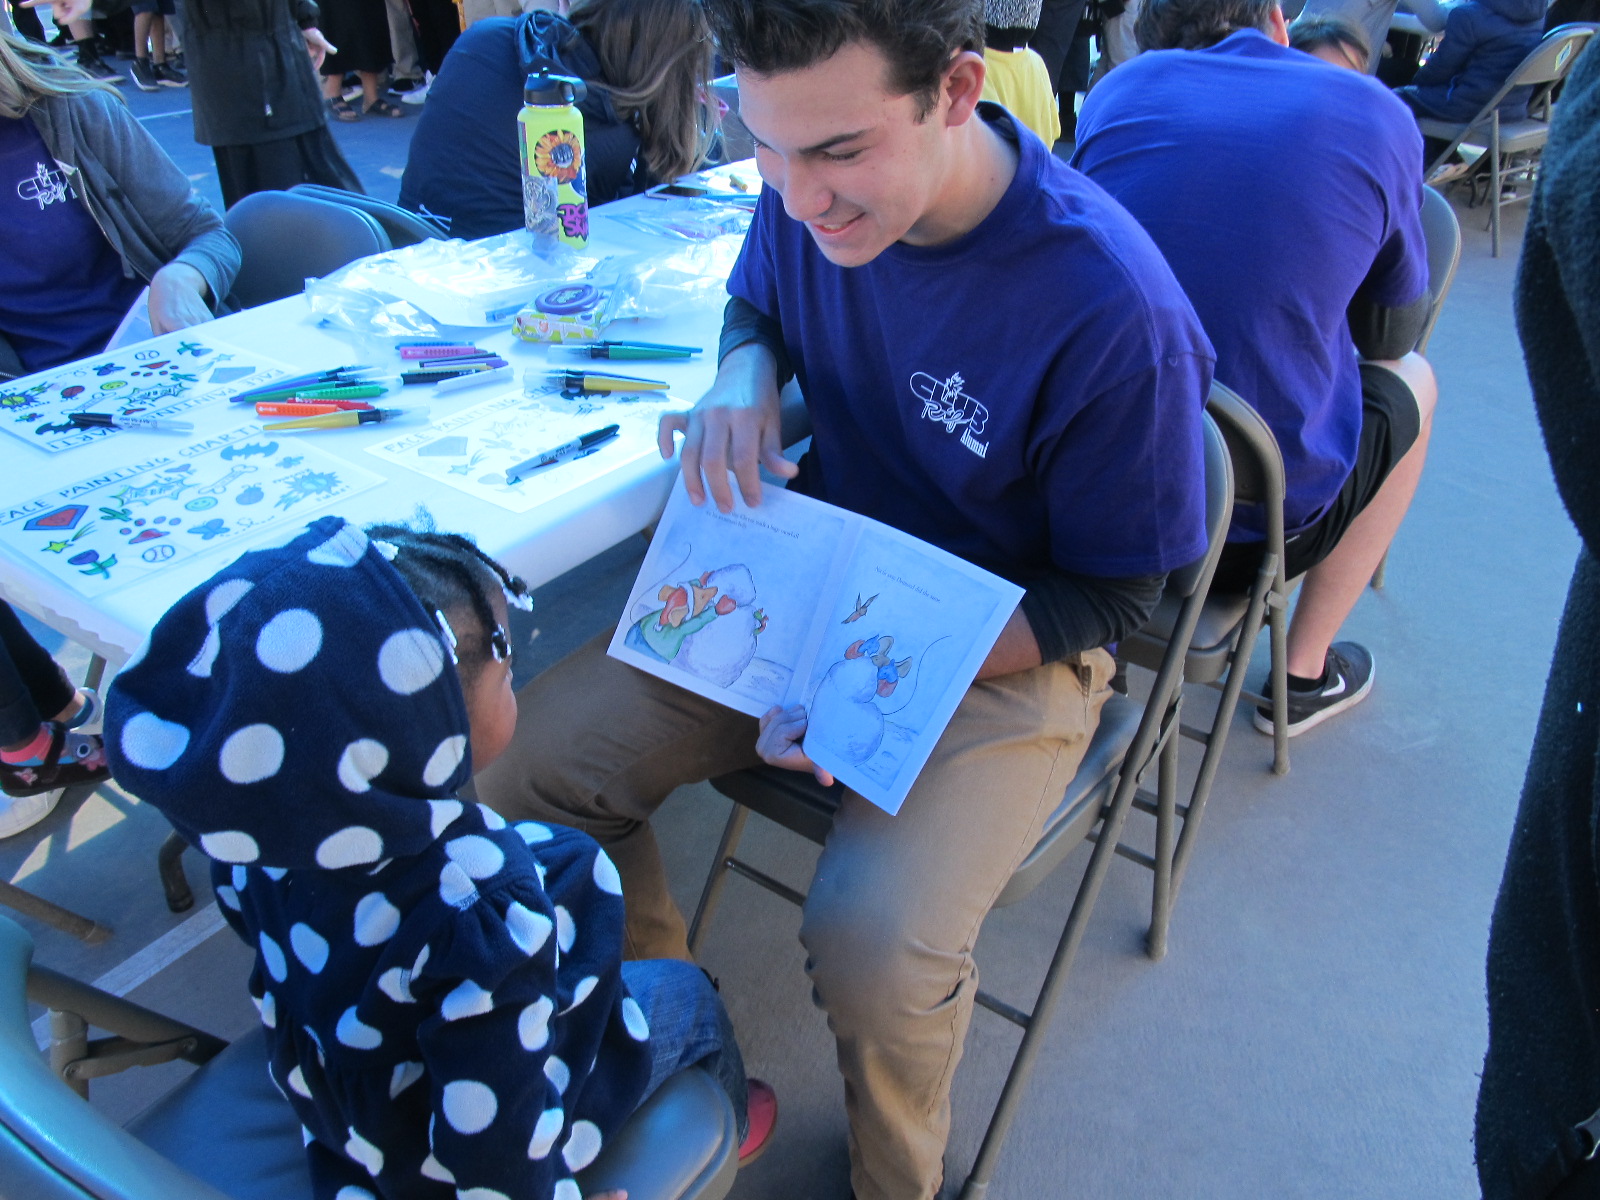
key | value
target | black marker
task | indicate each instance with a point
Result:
(561, 453)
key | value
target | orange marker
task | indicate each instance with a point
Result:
(307, 408)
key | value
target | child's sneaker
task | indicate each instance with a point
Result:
(168, 75)
(24, 812)
(1349, 673)
(91, 717)
(96, 67)
(761, 1118)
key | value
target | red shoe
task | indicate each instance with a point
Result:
(762, 1115)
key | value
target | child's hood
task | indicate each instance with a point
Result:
(299, 709)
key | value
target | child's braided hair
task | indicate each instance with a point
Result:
(447, 571)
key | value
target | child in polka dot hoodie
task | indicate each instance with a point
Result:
(443, 993)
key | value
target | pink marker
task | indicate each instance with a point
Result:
(445, 351)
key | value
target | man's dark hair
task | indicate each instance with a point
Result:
(1313, 31)
(1196, 24)
(918, 37)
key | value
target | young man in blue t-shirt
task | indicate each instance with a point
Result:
(1286, 194)
(995, 359)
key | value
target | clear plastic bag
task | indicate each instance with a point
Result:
(434, 285)
(689, 220)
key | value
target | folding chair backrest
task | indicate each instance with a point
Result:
(404, 227)
(288, 239)
(1442, 233)
(1547, 64)
(1257, 461)
(53, 1145)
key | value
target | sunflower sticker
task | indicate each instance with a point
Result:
(559, 155)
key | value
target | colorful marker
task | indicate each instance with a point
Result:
(308, 408)
(634, 350)
(583, 381)
(438, 350)
(280, 388)
(339, 420)
(94, 420)
(472, 379)
(577, 447)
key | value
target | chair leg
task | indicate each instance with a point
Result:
(89, 932)
(96, 671)
(1155, 943)
(1381, 575)
(169, 862)
(1494, 183)
(1278, 627)
(712, 892)
(977, 1183)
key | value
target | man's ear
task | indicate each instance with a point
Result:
(963, 86)
(1277, 26)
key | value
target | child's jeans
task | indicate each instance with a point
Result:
(688, 1026)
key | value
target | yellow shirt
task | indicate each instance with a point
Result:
(1018, 79)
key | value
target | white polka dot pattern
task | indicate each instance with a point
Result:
(545, 1132)
(289, 641)
(444, 812)
(477, 856)
(351, 1192)
(251, 754)
(533, 833)
(455, 886)
(221, 599)
(528, 929)
(432, 1168)
(566, 1189)
(481, 1193)
(343, 549)
(605, 875)
(410, 660)
(297, 1082)
(353, 1032)
(151, 743)
(533, 1025)
(354, 846)
(309, 946)
(633, 1017)
(395, 983)
(405, 1074)
(583, 1144)
(557, 1073)
(566, 930)
(364, 1152)
(583, 991)
(272, 956)
(230, 845)
(362, 762)
(376, 919)
(491, 818)
(469, 1106)
(446, 758)
(466, 1000)
(269, 1010)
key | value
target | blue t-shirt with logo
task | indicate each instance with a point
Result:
(1276, 185)
(62, 290)
(1027, 395)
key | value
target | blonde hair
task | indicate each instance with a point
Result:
(30, 73)
(656, 56)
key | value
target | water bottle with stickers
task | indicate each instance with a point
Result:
(555, 195)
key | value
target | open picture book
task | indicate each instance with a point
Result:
(876, 633)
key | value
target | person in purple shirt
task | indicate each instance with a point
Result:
(995, 359)
(1306, 263)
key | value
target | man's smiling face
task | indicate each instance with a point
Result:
(851, 158)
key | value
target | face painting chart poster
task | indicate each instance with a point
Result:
(167, 507)
(163, 377)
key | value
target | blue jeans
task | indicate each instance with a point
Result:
(688, 1027)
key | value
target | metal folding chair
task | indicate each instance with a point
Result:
(287, 239)
(403, 227)
(226, 1132)
(1129, 740)
(1514, 143)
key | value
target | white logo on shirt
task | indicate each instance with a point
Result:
(45, 186)
(951, 407)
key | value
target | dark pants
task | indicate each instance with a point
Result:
(32, 685)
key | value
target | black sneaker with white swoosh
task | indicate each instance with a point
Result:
(1350, 672)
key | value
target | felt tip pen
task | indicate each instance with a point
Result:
(438, 373)
(339, 420)
(634, 350)
(94, 420)
(279, 388)
(562, 453)
(308, 408)
(438, 350)
(352, 391)
(472, 379)
(584, 381)
(456, 364)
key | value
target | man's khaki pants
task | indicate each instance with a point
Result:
(896, 902)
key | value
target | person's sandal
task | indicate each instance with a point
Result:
(761, 1118)
(73, 758)
(385, 108)
(344, 110)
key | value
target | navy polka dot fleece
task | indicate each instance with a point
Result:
(442, 991)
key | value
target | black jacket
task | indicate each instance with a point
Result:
(250, 78)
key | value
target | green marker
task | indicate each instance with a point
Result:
(633, 350)
(356, 391)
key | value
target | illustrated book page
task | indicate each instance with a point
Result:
(876, 633)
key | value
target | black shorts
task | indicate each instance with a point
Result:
(1390, 426)
(166, 8)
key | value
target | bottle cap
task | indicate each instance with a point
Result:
(544, 88)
